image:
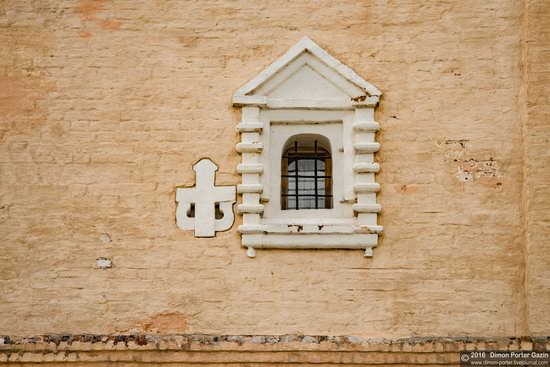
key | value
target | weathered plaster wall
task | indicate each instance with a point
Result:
(105, 106)
(537, 162)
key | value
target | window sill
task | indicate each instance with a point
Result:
(304, 240)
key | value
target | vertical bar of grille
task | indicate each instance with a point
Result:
(296, 172)
(328, 182)
(315, 177)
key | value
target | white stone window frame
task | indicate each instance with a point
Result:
(307, 91)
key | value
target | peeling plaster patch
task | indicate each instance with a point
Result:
(165, 323)
(12, 95)
(472, 169)
(463, 176)
(105, 238)
(355, 339)
(408, 189)
(468, 169)
(88, 9)
(310, 339)
(258, 339)
(57, 131)
(110, 24)
(454, 148)
(460, 142)
(491, 182)
(188, 41)
(85, 34)
(104, 263)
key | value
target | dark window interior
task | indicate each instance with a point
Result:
(306, 181)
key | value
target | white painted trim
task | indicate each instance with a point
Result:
(307, 241)
(371, 101)
(327, 104)
(307, 60)
(250, 208)
(370, 147)
(251, 229)
(250, 188)
(249, 128)
(203, 197)
(366, 167)
(250, 168)
(250, 252)
(367, 126)
(368, 252)
(367, 208)
(280, 134)
(375, 229)
(254, 147)
(260, 101)
(363, 187)
(304, 45)
(290, 99)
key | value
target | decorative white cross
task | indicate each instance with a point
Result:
(197, 205)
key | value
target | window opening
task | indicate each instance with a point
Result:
(306, 177)
(191, 211)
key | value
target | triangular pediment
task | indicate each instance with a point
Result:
(307, 76)
(307, 82)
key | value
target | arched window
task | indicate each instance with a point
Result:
(308, 149)
(306, 174)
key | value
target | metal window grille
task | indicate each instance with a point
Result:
(306, 179)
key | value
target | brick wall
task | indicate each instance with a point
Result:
(273, 350)
(536, 134)
(105, 106)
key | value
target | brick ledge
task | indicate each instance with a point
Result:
(206, 349)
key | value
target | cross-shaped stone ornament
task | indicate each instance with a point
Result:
(197, 205)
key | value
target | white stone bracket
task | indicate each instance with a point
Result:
(197, 206)
(250, 169)
(365, 168)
